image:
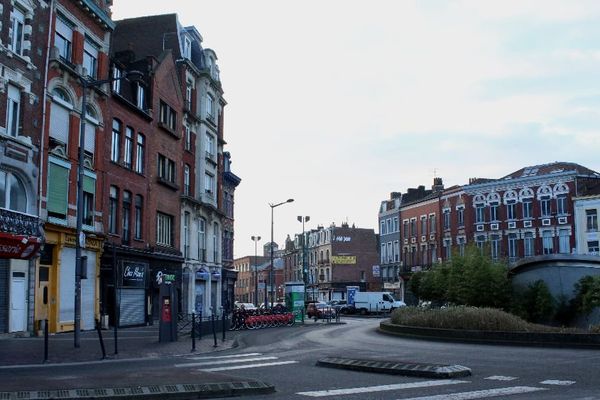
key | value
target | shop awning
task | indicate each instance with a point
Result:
(18, 246)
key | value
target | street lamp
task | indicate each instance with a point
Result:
(86, 82)
(304, 268)
(271, 270)
(255, 239)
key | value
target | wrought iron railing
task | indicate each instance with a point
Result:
(19, 223)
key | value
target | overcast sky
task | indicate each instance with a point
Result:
(337, 103)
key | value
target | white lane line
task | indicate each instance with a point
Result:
(230, 361)
(481, 394)
(501, 378)
(247, 366)
(219, 357)
(556, 382)
(380, 388)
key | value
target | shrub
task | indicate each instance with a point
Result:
(535, 304)
(468, 318)
(587, 294)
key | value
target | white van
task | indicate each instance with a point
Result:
(368, 302)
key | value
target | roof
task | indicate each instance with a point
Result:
(147, 36)
(551, 168)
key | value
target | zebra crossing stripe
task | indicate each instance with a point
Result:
(220, 357)
(501, 378)
(228, 361)
(556, 382)
(380, 388)
(481, 394)
(247, 366)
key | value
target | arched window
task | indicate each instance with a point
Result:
(12, 192)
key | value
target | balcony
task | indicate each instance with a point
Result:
(19, 224)
(20, 234)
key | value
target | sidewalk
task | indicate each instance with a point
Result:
(136, 342)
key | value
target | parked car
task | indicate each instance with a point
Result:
(342, 306)
(320, 310)
(246, 306)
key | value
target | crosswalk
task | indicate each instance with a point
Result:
(240, 361)
(509, 384)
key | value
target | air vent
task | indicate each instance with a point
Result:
(479, 228)
(527, 224)
(512, 225)
(562, 220)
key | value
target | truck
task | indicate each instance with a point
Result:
(368, 302)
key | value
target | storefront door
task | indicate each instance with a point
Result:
(18, 296)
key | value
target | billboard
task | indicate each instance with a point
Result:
(343, 259)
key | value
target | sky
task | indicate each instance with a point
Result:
(338, 103)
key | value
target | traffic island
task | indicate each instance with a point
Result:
(421, 370)
(153, 392)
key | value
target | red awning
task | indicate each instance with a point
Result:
(18, 246)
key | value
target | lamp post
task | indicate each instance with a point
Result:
(255, 239)
(86, 83)
(304, 268)
(271, 244)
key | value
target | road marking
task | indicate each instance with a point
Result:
(219, 357)
(501, 378)
(481, 394)
(247, 366)
(230, 361)
(380, 388)
(556, 382)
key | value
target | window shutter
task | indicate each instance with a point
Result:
(59, 123)
(64, 29)
(58, 185)
(89, 185)
(90, 137)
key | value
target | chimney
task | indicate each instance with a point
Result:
(438, 185)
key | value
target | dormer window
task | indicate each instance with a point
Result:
(187, 48)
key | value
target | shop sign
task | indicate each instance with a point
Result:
(134, 274)
(203, 275)
(343, 259)
(342, 239)
(164, 277)
(18, 246)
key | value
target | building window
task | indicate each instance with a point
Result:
(139, 204)
(396, 251)
(168, 117)
(63, 39)
(209, 184)
(479, 213)
(432, 223)
(13, 112)
(187, 48)
(389, 225)
(164, 229)
(528, 243)
(139, 154)
(494, 211)
(140, 96)
(186, 235)
(201, 237)
(166, 169)
(115, 145)
(382, 229)
(511, 213)
(186, 180)
(210, 145)
(188, 96)
(448, 248)
(561, 204)
(545, 206)
(413, 227)
(188, 138)
(17, 25)
(480, 242)
(446, 219)
(215, 242)
(547, 242)
(90, 59)
(564, 244)
(423, 225)
(512, 246)
(60, 121)
(495, 246)
(593, 247)
(460, 216)
(12, 192)
(527, 208)
(113, 203)
(89, 193)
(209, 106)
(126, 217)
(592, 220)
(390, 254)
(128, 153)
(116, 83)
(383, 253)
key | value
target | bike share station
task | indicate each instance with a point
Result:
(294, 299)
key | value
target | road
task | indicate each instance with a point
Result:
(286, 357)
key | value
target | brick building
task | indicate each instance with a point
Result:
(23, 53)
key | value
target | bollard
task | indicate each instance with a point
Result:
(214, 329)
(45, 340)
(193, 332)
(199, 325)
(224, 325)
(100, 338)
